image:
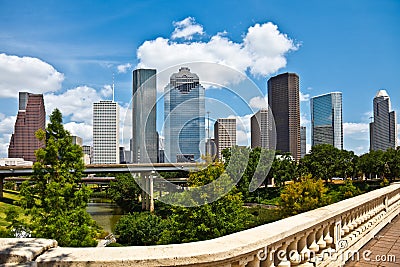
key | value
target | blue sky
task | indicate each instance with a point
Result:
(69, 50)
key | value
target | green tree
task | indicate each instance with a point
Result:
(372, 164)
(348, 190)
(56, 202)
(139, 229)
(221, 217)
(125, 191)
(283, 169)
(392, 161)
(303, 195)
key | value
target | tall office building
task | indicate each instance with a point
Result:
(184, 113)
(144, 134)
(105, 132)
(224, 134)
(31, 117)
(303, 141)
(383, 130)
(326, 120)
(262, 134)
(284, 101)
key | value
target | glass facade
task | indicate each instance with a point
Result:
(184, 114)
(383, 130)
(144, 133)
(326, 120)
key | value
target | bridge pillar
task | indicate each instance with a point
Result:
(151, 184)
(144, 191)
(1, 187)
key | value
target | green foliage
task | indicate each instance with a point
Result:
(55, 201)
(348, 190)
(283, 169)
(304, 195)
(125, 191)
(326, 161)
(392, 163)
(222, 217)
(139, 229)
(385, 182)
(9, 185)
(196, 222)
(373, 164)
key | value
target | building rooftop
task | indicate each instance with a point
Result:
(382, 93)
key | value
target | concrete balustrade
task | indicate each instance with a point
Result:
(327, 236)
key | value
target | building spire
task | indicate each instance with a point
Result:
(113, 89)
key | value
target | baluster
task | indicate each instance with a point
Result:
(345, 229)
(254, 263)
(320, 238)
(327, 236)
(304, 252)
(281, 256)
(350, 222)
(294, 256)
(266, 257)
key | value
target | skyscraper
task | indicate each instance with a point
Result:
(105, 132)
(224, 134)
(31, 117)
(383, 130)
(284, 101)
(326, 120)
(303, 141)
(184, 113)
(144, 134)
(261, 130)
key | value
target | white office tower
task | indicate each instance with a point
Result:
(383, 130)
(224, 134)
(105, 132)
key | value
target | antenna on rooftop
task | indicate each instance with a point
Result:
(113, 89)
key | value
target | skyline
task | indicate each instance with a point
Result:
(69, 51)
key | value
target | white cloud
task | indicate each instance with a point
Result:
(6, 129)
(259, 102)
(304, 97)
(359, 131)
(304, 121)
(124, 68)
(76, 102)
(82, 130)
(7, 124)
(243, 129)
(186, 29)
(125, 124)
(262, 52)
(27, 74)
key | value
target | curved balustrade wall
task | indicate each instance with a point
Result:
(326, 236)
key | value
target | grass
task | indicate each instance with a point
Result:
(263, 215)
(6, 202)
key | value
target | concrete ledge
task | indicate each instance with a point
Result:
(18, 251)
(233, 250)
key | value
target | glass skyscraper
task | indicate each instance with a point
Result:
(184, 114)
(326, 120)
(144, 133)
(383, 130)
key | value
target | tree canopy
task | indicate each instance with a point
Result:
(55, 201)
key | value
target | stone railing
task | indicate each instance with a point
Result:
(326, 236)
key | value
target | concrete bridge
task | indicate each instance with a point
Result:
(143, 169)
(328, 236)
